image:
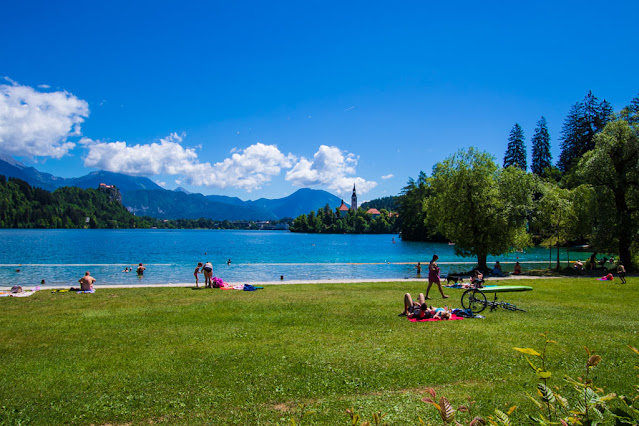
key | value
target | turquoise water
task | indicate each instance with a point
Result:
(62, 256)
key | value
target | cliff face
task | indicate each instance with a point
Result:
(112, 192)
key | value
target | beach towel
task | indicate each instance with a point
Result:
(25, 293)
(608, 277)
(219, 283)
(452, 317)
(86, 291)
(249, 287)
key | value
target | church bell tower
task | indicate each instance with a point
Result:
(354, 200)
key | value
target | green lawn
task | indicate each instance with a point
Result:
(178, 355)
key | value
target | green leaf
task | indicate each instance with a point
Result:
(528, 351)
(543, 374)
(533, 366)
(537, 403)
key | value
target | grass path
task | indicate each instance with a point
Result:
(182, 356)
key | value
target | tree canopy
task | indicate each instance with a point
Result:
(481, 208)
(541, 156)
(516, 151)
(584, 121)
(612, 168)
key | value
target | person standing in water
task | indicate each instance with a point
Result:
(140, 270)
(433, 277)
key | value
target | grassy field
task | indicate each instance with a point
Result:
(185, 356)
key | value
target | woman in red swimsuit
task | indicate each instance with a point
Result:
(433, 277)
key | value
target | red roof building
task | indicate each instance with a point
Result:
(343, 209)
(373, 212)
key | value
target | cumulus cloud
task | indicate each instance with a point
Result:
(387, 176)
(248, 169)
(38, 124)
(330, 167)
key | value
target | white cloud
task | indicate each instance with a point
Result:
(330, 167)
(248, 169)
(252, 167)
(388, 176)
(38, 124)
(44, 86)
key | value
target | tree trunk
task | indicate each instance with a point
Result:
(625, 225)
(481, 262)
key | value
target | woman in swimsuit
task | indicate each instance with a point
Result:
(433, 277)
(208, 273)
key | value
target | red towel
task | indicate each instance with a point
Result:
(452, 317)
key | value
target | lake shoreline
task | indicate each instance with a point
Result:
(283, 282)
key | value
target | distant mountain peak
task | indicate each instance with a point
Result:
(12, 161)
(180, 189)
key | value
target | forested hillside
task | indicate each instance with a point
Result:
(23, 206)
(390, 203)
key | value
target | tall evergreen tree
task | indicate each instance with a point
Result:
(516, 151)
(631, 112)
(583, 122)
(541, 157)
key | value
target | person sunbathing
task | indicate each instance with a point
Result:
(440, 313)
(417, 309)
(477, 279)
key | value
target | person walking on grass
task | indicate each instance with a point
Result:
(433, 277)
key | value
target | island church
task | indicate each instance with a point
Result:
(343, 208)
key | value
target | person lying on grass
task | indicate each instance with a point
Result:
(418, 309)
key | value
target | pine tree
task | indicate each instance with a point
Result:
(516, 151)
(583, 122)
(541, 157)
(631, 112)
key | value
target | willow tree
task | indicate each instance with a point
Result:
(612, 168)
(479, 206)
(562, 214)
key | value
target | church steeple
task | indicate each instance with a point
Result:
(354, 200)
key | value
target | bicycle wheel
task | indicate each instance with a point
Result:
(475, 300)
(464, 299)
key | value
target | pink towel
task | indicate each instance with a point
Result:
(452, 317)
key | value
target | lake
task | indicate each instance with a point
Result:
(62, 256)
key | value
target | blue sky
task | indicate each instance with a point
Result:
(257, 99)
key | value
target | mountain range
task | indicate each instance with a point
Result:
(143, 197)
